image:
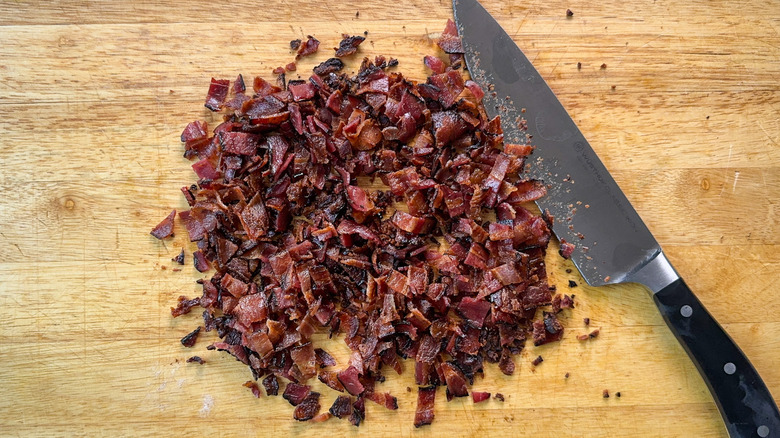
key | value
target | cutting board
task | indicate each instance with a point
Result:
(93, 96)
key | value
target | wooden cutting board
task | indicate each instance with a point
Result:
(93, 96)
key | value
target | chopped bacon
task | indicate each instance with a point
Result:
(271, 385)
(190, 339)
(566, 249)
(349, 45)
(409, 223)
(342, 407)
(474, 310)
(165, 228)
(295, 393)
(308, 47)
(218, 91)
(435, 64)
(301, 247)
(349, 378)
(253, 387)
(479, 397)
(449, 41)
(196, 359)
(308, 408)
(424, 413)
(184, 306)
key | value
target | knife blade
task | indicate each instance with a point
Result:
(613, 243)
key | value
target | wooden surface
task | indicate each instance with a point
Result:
(94, 94)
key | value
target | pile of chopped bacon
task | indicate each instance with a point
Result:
(454, 279)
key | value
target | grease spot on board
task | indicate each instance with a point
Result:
(208, 403)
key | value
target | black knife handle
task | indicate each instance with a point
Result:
(742, 397)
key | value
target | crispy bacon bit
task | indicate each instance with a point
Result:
(308, 408)
(330, 378)
(424, 413)
(449, 41)
(350, 379)
(605, 393)
(435, 64)
(300, 247)
(332, 65)
(499, 396)
(184, 306)
(307, 48)
(196, 359)
(342, 407)
(349, 45)
(179, 258)
(295, 44)
(295, 393)
(290, 67)
(537, 361)
(165, 228)
(479, 397)
(271, 385)
(566, 249)
(218, 91)
(190, 339)
(201, 264)
(253, 387)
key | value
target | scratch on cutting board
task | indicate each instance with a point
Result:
(728, 162)
(208, 403)
(736, 177)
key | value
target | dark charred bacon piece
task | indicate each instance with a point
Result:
(349, 45)
(165, 228)
(190, 339)
(342, 407)
(196, 359)
(271, 385)
(308, 408)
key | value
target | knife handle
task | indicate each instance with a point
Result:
(742, 397)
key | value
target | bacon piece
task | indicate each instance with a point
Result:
(254, 217)
(448, 126)
(190, 339)
(456, 382)
(474, 310)
(218, 91)
(342, 407)
(359, 200)
(253, 387)
(331, 65)
(435, 64)
(449, 41)
(201, 264)
(349, 378)
(308, 47)
(479, 397)
(271, 385)
(165, 228)
(566, 249)
(330, 378)
(349, 45)
(409, 223)
(308, 408)
(424, 413)
(296, 393)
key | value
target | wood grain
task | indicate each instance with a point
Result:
(93, 96)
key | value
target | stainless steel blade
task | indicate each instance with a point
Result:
(590, 210)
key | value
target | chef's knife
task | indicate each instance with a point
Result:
(613, 244)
